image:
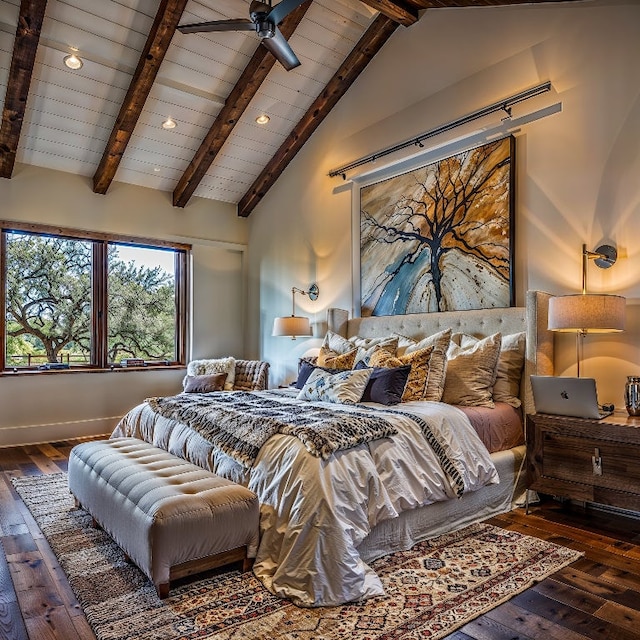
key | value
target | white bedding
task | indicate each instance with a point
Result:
(314, 512)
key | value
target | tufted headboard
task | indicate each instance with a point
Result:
(532, 319)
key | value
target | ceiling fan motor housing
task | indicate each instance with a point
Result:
(264, 28)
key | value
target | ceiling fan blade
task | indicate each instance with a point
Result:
(282, 9)
(280, 48)
(234, 24)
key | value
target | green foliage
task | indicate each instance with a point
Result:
(48, 303)
(141, 312)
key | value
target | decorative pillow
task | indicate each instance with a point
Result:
(334, 345)
(365, 350)
(510, 365)
(306, 369)
(216, 365)
(471, 373)
(205, 384)
(332, 360)
(417, 382)
(437, 361)
(344, 387)
(385, 386)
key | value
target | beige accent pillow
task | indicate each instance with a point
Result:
(417, 382)
(332, 360)
(437, 363)
(205, 384)
(510, 366)
(471, 373)
(214, 365)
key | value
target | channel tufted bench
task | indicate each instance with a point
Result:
(172, 518)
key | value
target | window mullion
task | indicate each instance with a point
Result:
(99, 305)
(182, 304)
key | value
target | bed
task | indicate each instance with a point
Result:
(325, 517)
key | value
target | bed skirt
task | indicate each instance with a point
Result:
(410, 527)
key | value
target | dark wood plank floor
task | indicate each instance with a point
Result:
(597, 597)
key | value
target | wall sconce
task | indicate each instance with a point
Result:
(589, 312)
(294, 325)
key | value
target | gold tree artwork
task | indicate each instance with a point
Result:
(439, 238)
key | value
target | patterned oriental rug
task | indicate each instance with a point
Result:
(431, 590)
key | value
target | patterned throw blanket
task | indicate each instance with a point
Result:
(239, 423)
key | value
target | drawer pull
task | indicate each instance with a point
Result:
(596, 461)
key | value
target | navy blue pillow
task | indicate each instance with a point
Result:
(386, 385)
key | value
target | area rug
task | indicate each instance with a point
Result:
(432, 589)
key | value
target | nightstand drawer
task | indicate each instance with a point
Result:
(588, 460)
(598, 463)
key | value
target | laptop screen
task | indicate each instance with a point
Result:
(566, 396)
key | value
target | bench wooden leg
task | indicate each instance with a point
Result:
(162, 590)
(247, 564)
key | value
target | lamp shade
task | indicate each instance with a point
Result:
(587, 313)
(291, 326)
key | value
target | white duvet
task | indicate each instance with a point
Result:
(314, 512)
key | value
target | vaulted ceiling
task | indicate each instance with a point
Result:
(104, 120)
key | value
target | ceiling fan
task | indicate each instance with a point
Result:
(264, 20)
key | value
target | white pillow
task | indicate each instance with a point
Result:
(215, 365)
(344, 387)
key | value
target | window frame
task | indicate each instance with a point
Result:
(99, 293)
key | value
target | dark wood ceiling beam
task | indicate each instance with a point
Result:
(23, 59)
(158, 41)
(399, 13)
(241, 95)
(371, 42)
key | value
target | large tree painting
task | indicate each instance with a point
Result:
(439, 238)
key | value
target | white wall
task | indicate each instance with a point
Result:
(45, 407)
(577, 170)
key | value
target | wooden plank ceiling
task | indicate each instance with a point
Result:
(105, 120)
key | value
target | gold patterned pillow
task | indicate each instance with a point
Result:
(331, 360)
(471, 373)
(366, 348)
(416, 387)
(437, 363)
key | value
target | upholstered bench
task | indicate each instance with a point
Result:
(170, 517)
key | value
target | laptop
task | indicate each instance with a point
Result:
(576, 397)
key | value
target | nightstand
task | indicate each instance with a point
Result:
(583, 459)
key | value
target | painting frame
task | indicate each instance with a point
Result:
(440, 234)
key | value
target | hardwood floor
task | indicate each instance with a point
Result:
(597, 597)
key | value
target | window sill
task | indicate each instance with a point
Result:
(40, 372)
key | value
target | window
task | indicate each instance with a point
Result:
(89, 300)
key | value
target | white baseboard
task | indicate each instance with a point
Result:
(54, 431)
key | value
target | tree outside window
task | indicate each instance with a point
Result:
(91, 302)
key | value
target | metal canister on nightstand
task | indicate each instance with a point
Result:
(632, 395)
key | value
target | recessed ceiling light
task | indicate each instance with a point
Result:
(263, 119)
(73, 62)
(169, 123)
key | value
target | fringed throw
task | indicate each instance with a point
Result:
(239, 423)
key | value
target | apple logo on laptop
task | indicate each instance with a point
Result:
(564, 395)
